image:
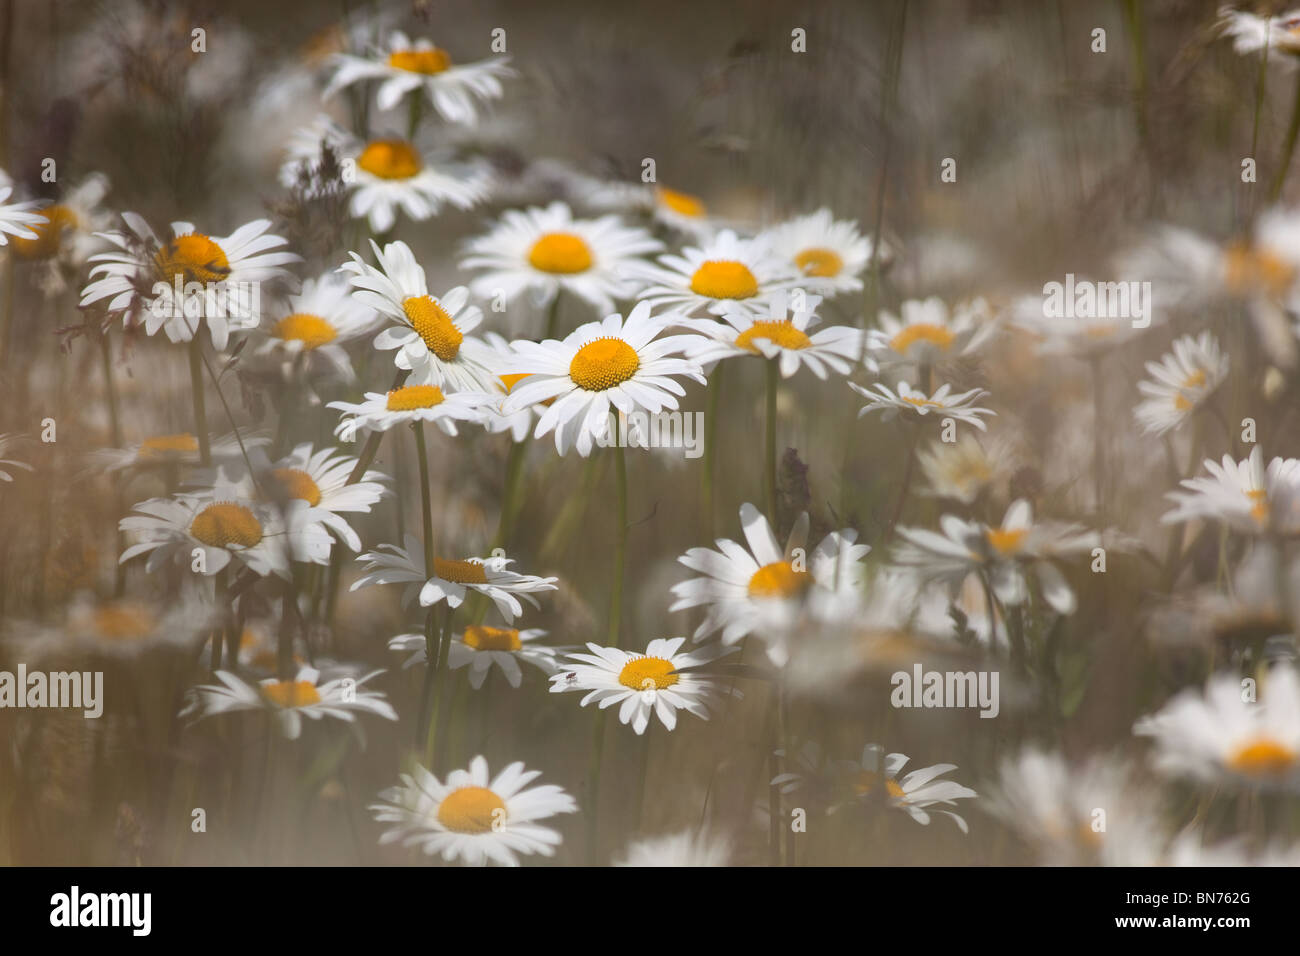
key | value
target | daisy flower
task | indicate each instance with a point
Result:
(20, 219)
(724, 273)
(641, 684)
(120, 627)
(1251, 33)
(1244, 495)
(473, 817)
(479, 647)
(1181, 381)
(1225, 735)
(431, 335)
(10, 464)
(173, 451)
(495, 419)
(686, 848)
(928, 332)
(289, 701)
(238, 264)
(915, 405)
(451, 579)
(876, 778)
(67, 237)
(672, 208)
(1002, 553)
(958, 470)
(404, 66)
(410, 403)
(599, 365)
(830, 254)
(318, 322)
(781, 335)
(546, 251)
(1083, 336)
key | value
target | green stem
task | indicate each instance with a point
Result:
(433, 746)
(769, 445)
(620, 546)
(710, 432)
(1288, 147)
(594, 761)
(200, 407)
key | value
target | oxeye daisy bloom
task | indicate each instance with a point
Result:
(1245, 495)
(781, 335)
(141, 274)
(829, 254)
(410, 403)
(600, 365)
(120, 627)
(10, 464)
(495, 419)
(20, 219)
(760, 589)
(1084, 336)
(289, 701)
(876, 778)
(673, 208)
(1002, 553)
(403, 66)
(686, 848)
(642, 684)
(67, 237)
(958, 470)
(451, 578)
(318, 322)
(546, 251)
(177, 450)
(1181, 381)
(1227, 736)
(915, 405)
(473, 817)
(724, 273)
(431, 337)
(1251, 33)
(479, 647)
(927, 332)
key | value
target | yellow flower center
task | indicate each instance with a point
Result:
(908, 336)
(560, 252)
(724, 279)
(820, 262)
(427, 62)
(162, 446)
(921, 402)
(1182, 403)
(471, 810)
(1259, 509)
(460, 572)
(390, 159)
(223, 525)
(291, 693)
(1262, 757)
(684, 204)
(192, 258)
(410, 397)
(49, 234)
(513, 379)
(603, 363)
(1247, 270)
(647, 673)
(123, 619)
(777, 331)
(298, 484)
(1005, 540)
(311, 330)
(434, 325)
(483, 638)
(1195, 380)
(778, 580)
(867, 781)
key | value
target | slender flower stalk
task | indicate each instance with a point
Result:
(769, 444)
(200, 404)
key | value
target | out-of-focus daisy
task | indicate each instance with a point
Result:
(417, 66)
(67, 238)
(411, 403)
(958, 470)
(10, 464)
(19, 219)
(289, 701)
(173, 451)
(1226, 735)
(686, 848)
(472, 816)
(1251, 33)
(724, 273)
(479, 646)
(929, 332)
(543, 251)
(673, 208)
(1245, 495)
(139, 277)
(451, 578)
(119, 627)
(876, 778)
(1003, 553)
(830, 254)
(642, 685)
(317, 324)
(916, 405)
(781, 335)
(1181, 381)
(599, 365)
(1078, 336)
(431, 335)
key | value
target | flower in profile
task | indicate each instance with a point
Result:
(410, 403)
(599, 366)
(875, 778)
(1227, 736)
(546, 251)
(672, 208)
(1251, 33)
(120, 628)
(19, 219)
(1245, 495)
(1089, 335)
(656, 683)
(928, 332)
(723, 274)
(451, 579)
(10, 464)
(141, 274)
(431, 335)
(830, 254)
(403, 66)
(1180, 382)
(473, 817)
(316, 325)
(289, 701)
(480, 646)
(781, 334)
(916, 405)
(686, 848)
(173, 451)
